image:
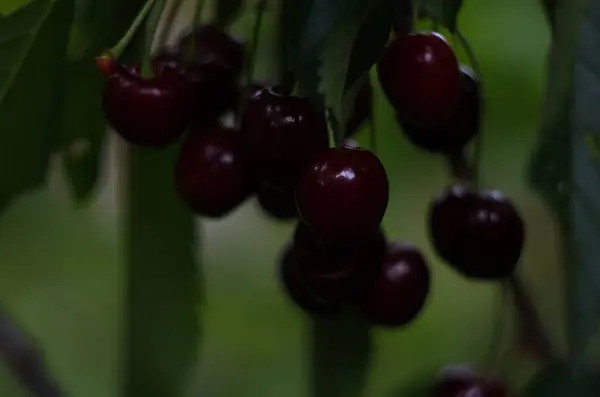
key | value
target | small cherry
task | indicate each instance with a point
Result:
(278, 202)
(343, 192)
(419, 74)
(106, 63)
(465, 382)
(281, 134)
(400, 289)
(148, 112)
(453, 135)
(362, 109)
(479, 234)
(294, 285)
(210, 175)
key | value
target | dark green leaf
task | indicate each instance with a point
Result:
(84, 127)
(227, 11)
(340, 356)
(162, 336)
(445, 11)
(33, 56)
(556, 380)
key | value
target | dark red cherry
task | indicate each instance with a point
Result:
(343, 192)
(399, 292)
(106, 64)
(281, 134)
(453, 135)
(210, 175)
(296, 289)
(277, 202)
(362, 109)
(149, 112)
(480, 234)
(419, 74)
(459, 384)
(336, 270)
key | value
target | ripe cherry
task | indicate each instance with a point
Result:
(419, 74)
(480, 234)
(453, 135)
(343, 192)
(277, 202)
(296, 289)
(149, 112)
(210, 175)
(400, 289)
(362, 109)
(281, 134)
(468, 383)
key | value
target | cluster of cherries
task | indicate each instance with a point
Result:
(339, 255)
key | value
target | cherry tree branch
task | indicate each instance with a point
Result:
(25, 360)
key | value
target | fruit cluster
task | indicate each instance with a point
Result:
(279, 151)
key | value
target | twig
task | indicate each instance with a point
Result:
(24, 359)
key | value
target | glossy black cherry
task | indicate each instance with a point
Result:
(296, 288)
(453, 135)
(343, 192)
(459, 384)
(419, 74)
(150, 112)
(399, 291)
(480, 234)
(281, 134)
(210, 175)
(362, 109)
(277, 202)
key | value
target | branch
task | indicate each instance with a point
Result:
(24, 359)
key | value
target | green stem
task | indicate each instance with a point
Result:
(478, 149)
(415, 13)
(150, 34)
(260, 10)
(170, 15)
(118, 49)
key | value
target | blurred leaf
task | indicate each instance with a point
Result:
(549, 7)
(445, 11)
(162, 332)
(556, 380)
(340, 356)
(227, 11)
(402, 18)
(33, 42)
(336, 57)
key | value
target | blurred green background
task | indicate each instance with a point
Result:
(61, 268)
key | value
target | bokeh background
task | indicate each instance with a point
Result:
(61, 267)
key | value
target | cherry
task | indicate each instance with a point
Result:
(343, 192)
(468, 383)
(295, 286)
(419, 74)
(281, 134)
(278, 202)
(106, 64)
(147, 112)
(480, 234)
(362, 109)
(464, 124)
(400, 289)
(210, 175)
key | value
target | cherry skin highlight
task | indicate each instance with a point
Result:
(149, 112)
(343, 192)
(210, 175)
(419, 74)
(479, 234)
(400, 289)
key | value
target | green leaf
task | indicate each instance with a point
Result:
(33, 44)
(336, 59)
(556, 380)
(340, 356)
(162, 330)
(445, 11)
(227, 11)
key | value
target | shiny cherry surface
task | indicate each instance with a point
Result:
(343, 192)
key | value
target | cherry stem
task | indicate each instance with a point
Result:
(415, 12)
(170, 15)
(478, 147)
(150, 33)
(261, 6)
(118, 49)
(497, 332)
(25, 360)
